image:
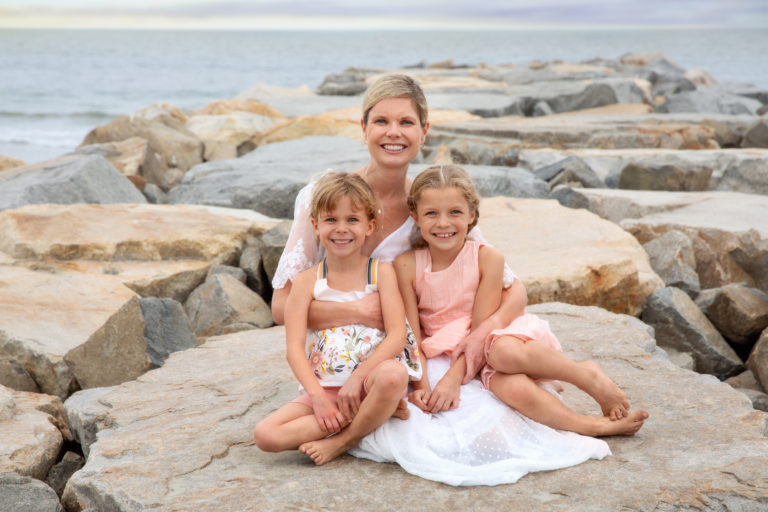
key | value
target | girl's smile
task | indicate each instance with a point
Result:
(342, 231)
(443, 216)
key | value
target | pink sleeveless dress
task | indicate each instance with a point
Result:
(446, 299)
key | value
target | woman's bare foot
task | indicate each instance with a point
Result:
(324, 450)
(613, 402)
(626, 426)
(402, 411)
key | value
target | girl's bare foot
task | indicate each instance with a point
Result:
(613, 402)
(324, 450)
(402, 411)
(626, 426)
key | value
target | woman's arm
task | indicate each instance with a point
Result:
(324, 314)
(393, 343)
(513, 302)
(297, 306)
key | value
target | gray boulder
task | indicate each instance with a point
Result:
(739, 312)
(267, 179)
(747, 175)
(756, 135)
(349, 83)
(86, 415)
(223, 304)
(664, 177)
(673, 259)
(166, 329)
(569, 171)
(506, 181)
(61, 472)
(66, 180)
(709, 101)
(24, 494)
(598, 94)
(236, 272)
(680, 324)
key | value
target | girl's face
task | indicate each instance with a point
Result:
(393, 133)
(443, 216)
(342, 230)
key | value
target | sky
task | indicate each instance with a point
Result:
(361, 14)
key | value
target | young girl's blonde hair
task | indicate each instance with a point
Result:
(444, 176)
(332, 186)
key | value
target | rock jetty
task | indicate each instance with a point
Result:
(137, 349)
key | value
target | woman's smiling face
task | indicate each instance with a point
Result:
(393, 133)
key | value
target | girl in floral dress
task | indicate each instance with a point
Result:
(353, 376)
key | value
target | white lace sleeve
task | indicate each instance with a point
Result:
(477, 236)
(301, 250)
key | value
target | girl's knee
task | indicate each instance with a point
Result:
(513, 389)
(265, 438)
(391, 376)
(505, 351)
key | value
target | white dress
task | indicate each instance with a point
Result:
(483, 442)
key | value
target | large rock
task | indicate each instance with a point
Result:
(90, 332)
(166, 329)
(709, 100)
(22, 493)
(66, 180)
(268, 179)
(664, 177)
(758, 359)
(149, 455)
(132, 157)
(738, 312)
(681, 325)
(8, 162)
(232, 130)
(569, 255)
(672, 258)
(30, 438)
(163, 126)
(729, 233)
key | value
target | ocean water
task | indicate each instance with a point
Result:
(56, 85)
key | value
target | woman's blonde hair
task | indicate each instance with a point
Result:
(396, 86)
(332, 186)
(444, 176)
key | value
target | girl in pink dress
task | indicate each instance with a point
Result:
(454, 284)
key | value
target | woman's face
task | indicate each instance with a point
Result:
(393, 133)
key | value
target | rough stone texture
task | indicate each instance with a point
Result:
(252, 263)
(709, 100)
(31, 438)
(268, 179)
(151, 455)
(496, 180)
(740, 313)
(758, 360)
(62, 471)
(22, 493)
(680, 324)
(569, 255)
(8, 162)
(224, 107)
(92, 332)
(274, 242)
(745, 380)
(309, 126)
(729, 233)
(87, 415)
(756, 135)
(223, 304)
(672, 258)
(571, 170)
(747, 176)
(236, 272)
(132, 157)
(12, 375)
(231, 130)
(166, 329)
(664, 177)
(66, 180)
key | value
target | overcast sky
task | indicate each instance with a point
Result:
(337, 14)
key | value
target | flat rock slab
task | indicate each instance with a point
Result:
(179, 438)
(32, 435)
(126, 232)
(567, 255)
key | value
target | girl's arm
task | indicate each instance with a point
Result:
(326, 314)
(513, 302)
(405, 269)
(393, 343)
(297, 306)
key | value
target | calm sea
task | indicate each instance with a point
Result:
(55, 85)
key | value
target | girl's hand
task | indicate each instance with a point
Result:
(327, 414)
(350, 396)
(419, 398)
(445, 396)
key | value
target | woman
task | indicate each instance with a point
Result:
(394, 125)
(482, 442)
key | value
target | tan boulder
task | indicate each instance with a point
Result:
(305, 126)
(567, 255)
(69, 330)
(228, 130)
(132, 156)
(30, 438)
(149, 453)
(224, 107)
(8, 162)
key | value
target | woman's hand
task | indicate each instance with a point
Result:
(472, 348)
(350, 396)
(445, 396)
(327, 414)
(419, 398)
(369, 308)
